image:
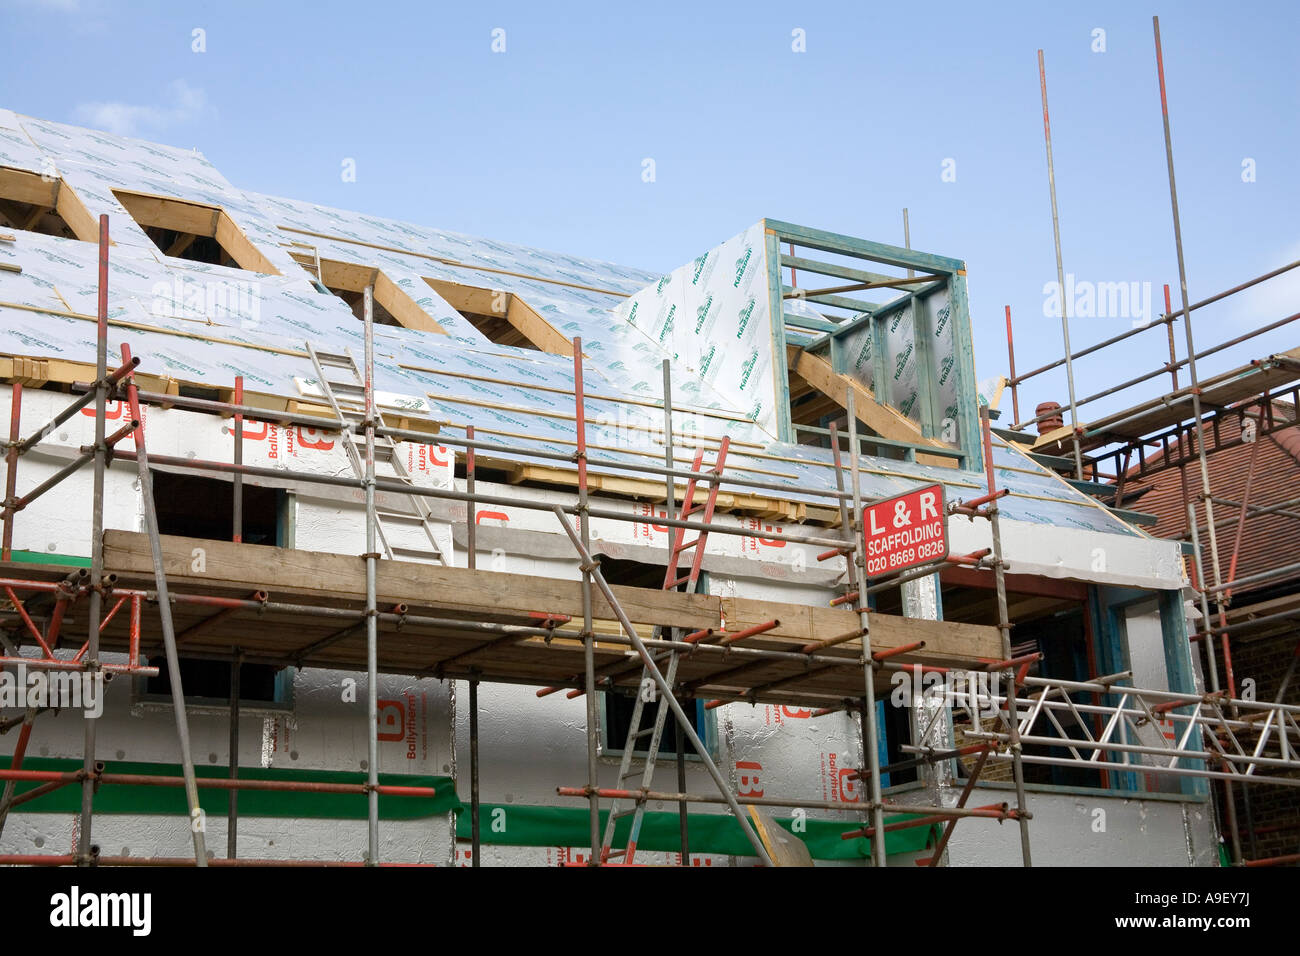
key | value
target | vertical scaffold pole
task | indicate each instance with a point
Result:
(96, 583)
(1060, 274)
(471, 562)
(1004, 628)
(869, 728)
(1205, 495)
(471, 510)
(236, 535)
(670, 512)
(372, 610)
(1011, 361)
(11, 469)
(474, 832)
(232, 805)
(1186, 314)
(197, 820)
(588, 631)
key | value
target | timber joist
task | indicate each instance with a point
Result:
(642, 489)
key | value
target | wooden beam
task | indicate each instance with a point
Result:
(536, 329)
(287, 573)
(459, 594)
(861, 248)
(165, 212)
(468, 298)
(402, 307)
(37, 214)
(183, 242)
(27, 187)
(348, 276)
(521, 316)
(198, 219)
(74, 212)
(881, 419)
(240, 247)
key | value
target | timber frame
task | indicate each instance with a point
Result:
(809, 352)
(29, 197)
(190, 221)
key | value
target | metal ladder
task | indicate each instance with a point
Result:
(655, 731)
(346, 397)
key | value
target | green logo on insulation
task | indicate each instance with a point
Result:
(702, 313)
(902, 362)
(668, 323)
(943, 320)
(947, 367)
(699, 267)
(906, 407)
(631, 315)
(33, 342)
(864, 353)
(748, 368)
(741, 264)
(708, 359)
(51, 257)
(893, 326)
(659, 289)
(745, 314)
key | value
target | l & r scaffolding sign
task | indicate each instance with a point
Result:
(905, 531)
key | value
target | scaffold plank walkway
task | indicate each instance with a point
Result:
(299, 607)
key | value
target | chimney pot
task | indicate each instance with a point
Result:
(1051, 423)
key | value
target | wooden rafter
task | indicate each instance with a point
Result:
(881, 419)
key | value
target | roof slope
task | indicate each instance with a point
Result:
(258, 329)
(1268, 541)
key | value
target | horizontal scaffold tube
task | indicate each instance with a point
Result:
(393, 486)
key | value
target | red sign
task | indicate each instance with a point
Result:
(905, 531)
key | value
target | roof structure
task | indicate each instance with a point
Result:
(199, 324)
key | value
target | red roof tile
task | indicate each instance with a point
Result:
(1267, 541)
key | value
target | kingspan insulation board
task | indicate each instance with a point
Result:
(712, 318)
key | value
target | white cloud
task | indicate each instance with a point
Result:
(1272, 299)
(187, 103)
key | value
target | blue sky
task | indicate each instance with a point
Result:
(544, 143)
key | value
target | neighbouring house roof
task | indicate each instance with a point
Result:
(1267, 541)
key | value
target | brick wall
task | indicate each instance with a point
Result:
(1274, 812)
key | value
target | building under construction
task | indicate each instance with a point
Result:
(394, 545)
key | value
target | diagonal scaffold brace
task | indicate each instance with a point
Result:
(196, 815)
(590, 566)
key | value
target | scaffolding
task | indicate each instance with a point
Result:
(1183, 428)
(718, 665)
(1121, 730)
